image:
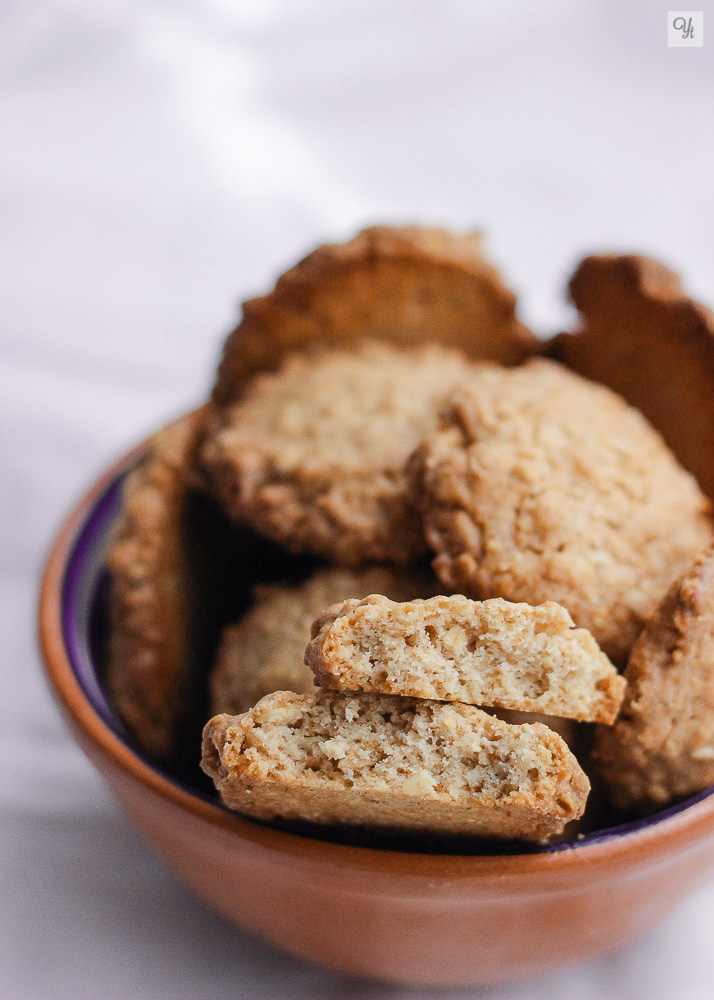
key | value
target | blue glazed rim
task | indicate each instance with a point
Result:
(85, 579)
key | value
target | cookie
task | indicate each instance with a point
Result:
(641, 335)
(378, 760)
(539, 485)
(313, 456)
(662, 745)
(265, 651)
(150, 602)
(516, 656)
(405, 286)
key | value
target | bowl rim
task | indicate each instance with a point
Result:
(671, 829)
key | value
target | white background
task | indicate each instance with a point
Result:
(159, 161)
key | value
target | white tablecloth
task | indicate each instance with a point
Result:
(159, 161)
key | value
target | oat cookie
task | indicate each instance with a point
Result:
(539, 485)
(531, 659)
(662, 744)
(265, 651)
(149, 648)
(330, 757)
(314, 455)
(643, 336)
(405, 286)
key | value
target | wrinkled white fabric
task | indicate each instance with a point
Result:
(159, 161)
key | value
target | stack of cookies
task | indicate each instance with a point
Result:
(480, 533)
(394, 738)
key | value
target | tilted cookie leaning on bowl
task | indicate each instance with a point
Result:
(401, 561)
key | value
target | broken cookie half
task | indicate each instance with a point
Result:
(492, 652)
(383, 761)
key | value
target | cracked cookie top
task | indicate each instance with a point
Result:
(539, 485)
(314, 455)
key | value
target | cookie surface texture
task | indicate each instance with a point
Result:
(539, 485)
(405, 286)
(265, 651)
(531, 659)
(149, 647)
(382, 761)
(643, 336)
(662, 745)
(314, 455)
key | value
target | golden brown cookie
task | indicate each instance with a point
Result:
(494, 653)
(405, 286)
(265, 651)
(662, 744)
(378, 760)
(643, 336)
(149, 647)
(313, 456)
(539, 485)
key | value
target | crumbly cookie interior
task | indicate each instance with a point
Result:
(419, 748)
(483, 653)
(399, 746)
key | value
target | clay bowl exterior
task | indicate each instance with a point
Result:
(428, 919)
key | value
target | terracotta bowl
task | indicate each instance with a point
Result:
(403, 916)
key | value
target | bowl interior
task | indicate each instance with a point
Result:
(229, 572)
